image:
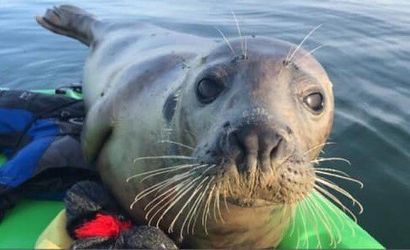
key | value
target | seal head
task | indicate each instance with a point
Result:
(256, 122)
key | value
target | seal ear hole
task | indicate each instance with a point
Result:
(208, 89)
(169, 107)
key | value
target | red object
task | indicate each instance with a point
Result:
(103, 225)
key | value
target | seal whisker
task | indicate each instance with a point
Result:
(331, 208)
(146, 191)
(254, 183)
(331, 159)
(177, 143)
(303, 210)
(327, 220)
(229, 187)
(194, 168)
(177, 179)
(341, 191)
(169, 193)
(159, 202)
(182, 157)
(175, 191)
(162, 194)
(226, 41)
(239, 33)
(170, 180)
(179, 195)
(301, 43)
(200, 203)
(208, 213)
(286, 61)
(293, 218)
(162, 170)
(332, 197)
(214, 206)
(208, 168)
(337, 215)
(312, 51)
(183, 207)
(284, 212)
(194, 207)
(207, 207)
(197, 189)
(217, 202)
(318, 146)
(225, 202)
(341, 177)
(315, 219)
(333, 171)
(160, 185)
(298, 237)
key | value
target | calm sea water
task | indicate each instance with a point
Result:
(367, 58)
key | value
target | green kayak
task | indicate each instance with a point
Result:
(329, 228)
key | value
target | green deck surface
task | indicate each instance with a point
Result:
(22, 225)
(335, 230)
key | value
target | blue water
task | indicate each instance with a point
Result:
(367, 58)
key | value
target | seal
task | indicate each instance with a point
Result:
(210, 140)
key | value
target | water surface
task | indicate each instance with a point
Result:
(367, 58)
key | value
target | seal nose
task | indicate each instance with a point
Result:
(254, 146)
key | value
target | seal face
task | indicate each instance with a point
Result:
(256, 124)
(212, 143)
(256, 120)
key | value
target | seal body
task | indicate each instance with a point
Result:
(210, 141)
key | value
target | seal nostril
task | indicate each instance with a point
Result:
(275, 149)
(235, 148)
(234, 141)
(253, 146)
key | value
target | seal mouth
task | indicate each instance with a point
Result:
(282, 184)
(251, 202)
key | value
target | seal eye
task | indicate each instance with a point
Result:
(314, 101)
(208, 90)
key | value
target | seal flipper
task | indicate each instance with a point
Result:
(70, 21)
(97, 129)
